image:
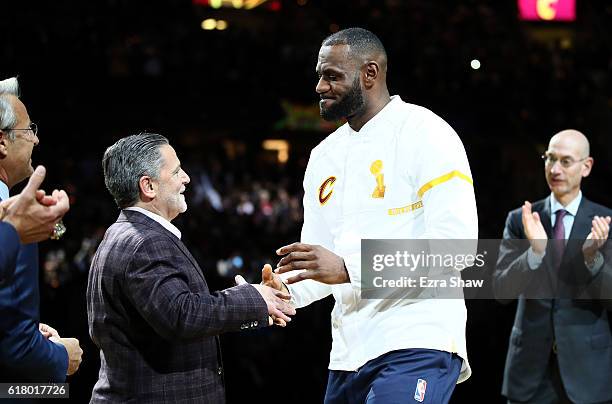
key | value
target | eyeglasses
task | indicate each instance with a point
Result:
(33, 128)
(566, 162)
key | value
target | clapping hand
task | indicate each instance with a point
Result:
(534, 230)
(600, 228)
(33, 213)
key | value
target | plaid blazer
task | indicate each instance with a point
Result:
(154, 320)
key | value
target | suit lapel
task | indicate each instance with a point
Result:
(132, 216)
(185, 251)
(545, 217)
(582, 222)
(580, 230)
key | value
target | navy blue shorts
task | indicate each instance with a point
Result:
(403, 376)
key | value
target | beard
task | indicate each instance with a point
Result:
(181, 203)
(175, 205)
(347, 106)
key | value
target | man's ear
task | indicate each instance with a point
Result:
(587, 166)
(4, 140)
(371, 70)
(147, 188)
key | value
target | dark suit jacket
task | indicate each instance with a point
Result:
(154, 319)
(576, 319)
(25, 355)
(9, 241)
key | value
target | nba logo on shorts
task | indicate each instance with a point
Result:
(419, 393)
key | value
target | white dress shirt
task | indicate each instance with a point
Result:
(164, 222)
(4, 191)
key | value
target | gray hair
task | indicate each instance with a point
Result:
(125, 162)
(8, 119)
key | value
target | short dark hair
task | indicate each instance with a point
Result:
(129, 159)
(362, 42)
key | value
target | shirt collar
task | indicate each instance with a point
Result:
(394, 100)
(571, 208)
(4, 191)
(165, 223)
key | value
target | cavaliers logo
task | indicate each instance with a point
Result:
(326, 190)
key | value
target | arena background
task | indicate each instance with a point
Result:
(94, 71)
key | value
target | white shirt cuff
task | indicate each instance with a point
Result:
(534, 260)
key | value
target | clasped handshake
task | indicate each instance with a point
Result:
(309, 262)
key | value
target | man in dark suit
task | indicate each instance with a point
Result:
(560, 349)
(26, 354)
(149, 307)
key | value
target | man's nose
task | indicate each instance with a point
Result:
(556, 167)
(322, 86)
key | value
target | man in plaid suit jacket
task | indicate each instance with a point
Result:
(149, 308)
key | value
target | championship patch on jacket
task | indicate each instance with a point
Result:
(376, 169)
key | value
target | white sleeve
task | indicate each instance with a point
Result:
(314, 231)
(445, 184)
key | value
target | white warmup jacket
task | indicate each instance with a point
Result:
(428, 194)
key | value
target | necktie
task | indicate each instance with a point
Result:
(559, 234)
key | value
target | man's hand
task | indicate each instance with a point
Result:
(534, 230)
(32, 213)
(600, 228)
(319, 264)
(274, 281)
(75, 352)
(277, 301)
(47, 331)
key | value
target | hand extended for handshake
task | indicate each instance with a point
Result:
(276, 299)
(312, 261)
(75, 352)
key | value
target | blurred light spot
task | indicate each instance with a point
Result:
(475, 64)
(280, 146)
(566, 43)
(221, 25)
(216, 3)
(237, 262)
(237, 3)
(209, 23)
(275, 6)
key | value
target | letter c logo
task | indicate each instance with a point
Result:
(324, 193)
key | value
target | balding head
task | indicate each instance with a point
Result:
(572, 140)
(567, 163)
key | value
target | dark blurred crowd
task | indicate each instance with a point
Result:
(96, 71)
